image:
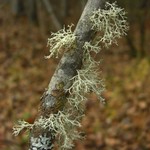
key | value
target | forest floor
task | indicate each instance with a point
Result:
(122, 124)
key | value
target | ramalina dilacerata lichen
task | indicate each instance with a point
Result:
(62, 124)
(63, 39)
(86, 81)
(20, 126)
(109, 23)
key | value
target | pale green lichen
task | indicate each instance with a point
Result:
(89, 48)
(87, 80)
(77, 101)
(20, 126)
(111, 22)
(63, 125)
(63, 39)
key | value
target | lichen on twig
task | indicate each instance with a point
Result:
(21, 125)
(63, 125)
(63, 39)
(111, 22)
(87, 80)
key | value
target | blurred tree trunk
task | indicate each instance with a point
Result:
(32, 11)
(133, 49)
(82, 3)
(138, 16)
(143, 8)
(17, 7)
(54, 18)
(66, 70)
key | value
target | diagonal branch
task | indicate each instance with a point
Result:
(54, 98)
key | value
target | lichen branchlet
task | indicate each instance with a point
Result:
(63, 125)
(87, 80)
(63, 39)
(111, 22)
(21, 126)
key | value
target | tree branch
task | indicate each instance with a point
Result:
(54, 98)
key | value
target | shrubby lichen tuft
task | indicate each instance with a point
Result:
(63, 125)
(88, 48)
(87, 80)
(63, 39)
(111, 22)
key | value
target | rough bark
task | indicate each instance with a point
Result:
(53, 99)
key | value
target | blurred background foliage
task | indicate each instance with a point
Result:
(25, 26)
